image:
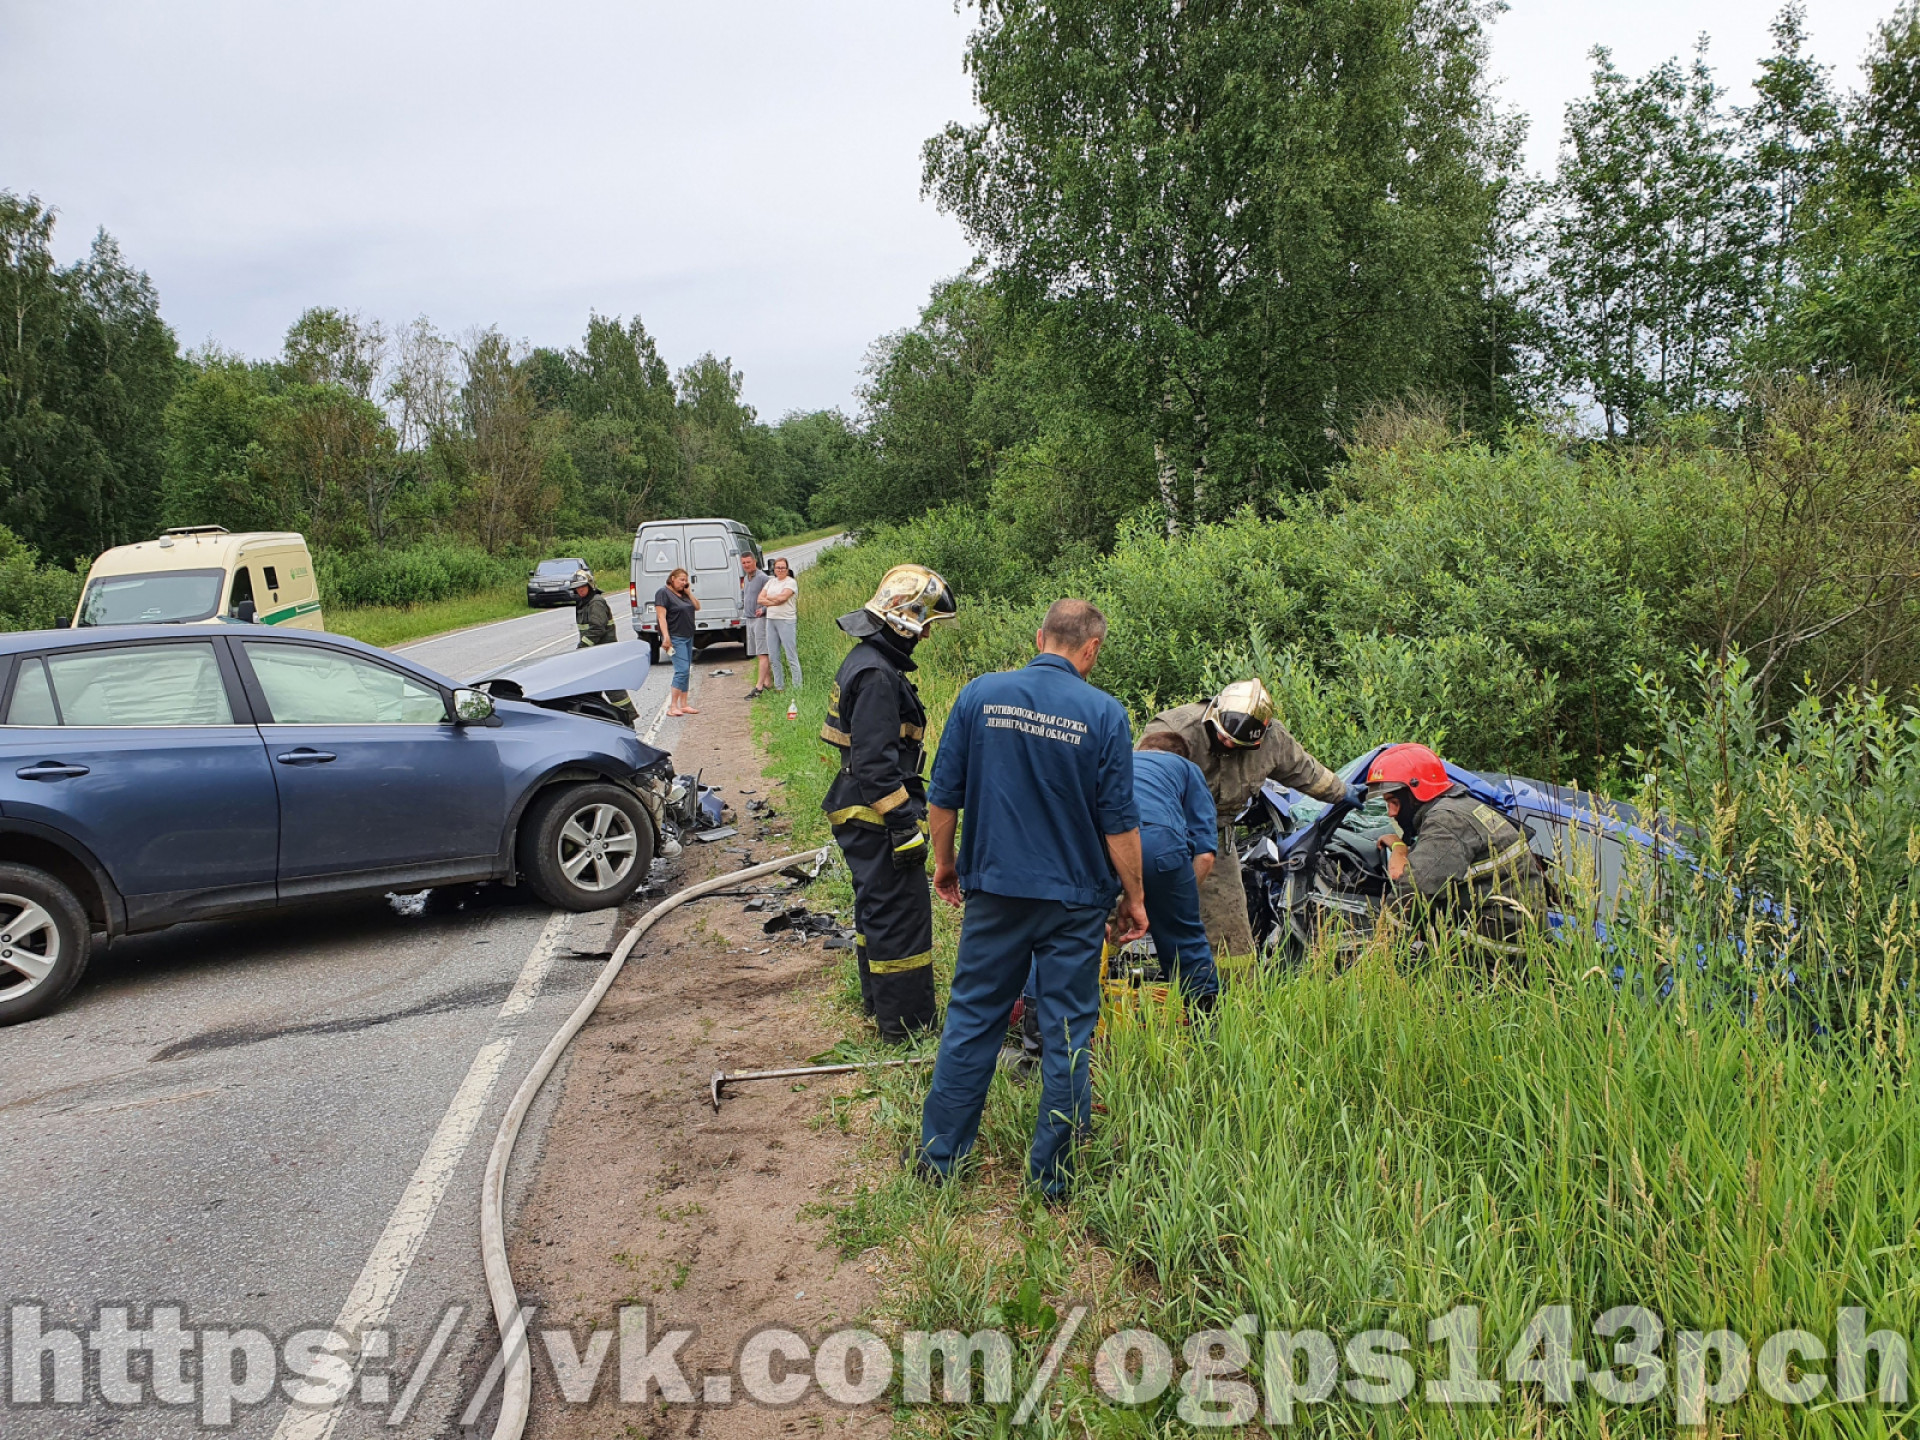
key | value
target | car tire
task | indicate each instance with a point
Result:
(37, 975)
(558, 858)
(653, 652)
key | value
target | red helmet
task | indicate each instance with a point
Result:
(1409, 767)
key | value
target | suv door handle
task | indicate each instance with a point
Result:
(51, 770)
(304, 756)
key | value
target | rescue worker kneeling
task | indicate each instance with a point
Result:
(1468, 865)
(594, 619)
(878, 802)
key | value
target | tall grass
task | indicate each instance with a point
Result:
(1699, 1101)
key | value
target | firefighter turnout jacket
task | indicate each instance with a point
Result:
(594, 618)
(1233, 778)
(877, 723)
(1473, 871)
(877, 805)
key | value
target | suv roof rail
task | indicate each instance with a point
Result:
(196, 530)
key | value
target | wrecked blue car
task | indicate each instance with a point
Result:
(1306, 863)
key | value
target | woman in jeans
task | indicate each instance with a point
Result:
(674, 604)
(781, 599)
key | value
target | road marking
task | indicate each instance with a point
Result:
(368, 1303)
(653, 730)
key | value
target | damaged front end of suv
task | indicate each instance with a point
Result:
(596, 683)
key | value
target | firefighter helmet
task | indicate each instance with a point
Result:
(582, 576)
(1408, 767)
(910, 598)
(1237, 718)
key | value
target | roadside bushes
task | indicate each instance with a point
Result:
(32, 596)
(1502, 603)
(440, 570)
(408, 576)
(1498, 604)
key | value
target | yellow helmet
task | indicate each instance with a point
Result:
(1237, 718)
(910, 598)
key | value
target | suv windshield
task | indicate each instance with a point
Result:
(164, 597)
(559, 567)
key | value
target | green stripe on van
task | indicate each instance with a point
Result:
(289, 612)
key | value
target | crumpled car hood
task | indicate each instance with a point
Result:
(578, 672)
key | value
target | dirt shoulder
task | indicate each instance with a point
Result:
(646, 1195)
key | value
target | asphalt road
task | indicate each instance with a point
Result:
(279, 1123)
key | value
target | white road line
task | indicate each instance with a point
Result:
(653, 730)
(385, 1271)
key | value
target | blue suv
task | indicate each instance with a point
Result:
(154, 774)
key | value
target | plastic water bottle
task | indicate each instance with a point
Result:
(793, 709)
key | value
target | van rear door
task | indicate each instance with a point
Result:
(657, 553)
(283, 588)
(715, 574)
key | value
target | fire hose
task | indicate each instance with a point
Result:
(517, 1390)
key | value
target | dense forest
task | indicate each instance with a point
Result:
(368, 438)
(1274, 353)
(1216, 241)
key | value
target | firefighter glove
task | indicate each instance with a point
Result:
(909, 844)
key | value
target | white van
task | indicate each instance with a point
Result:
(709, 551)
(201, 575)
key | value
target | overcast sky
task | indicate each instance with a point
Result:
(744, 174)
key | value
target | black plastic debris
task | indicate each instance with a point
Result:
(802, 921)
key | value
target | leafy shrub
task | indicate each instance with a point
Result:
(33, 596)
(409, 576)
(440, 570)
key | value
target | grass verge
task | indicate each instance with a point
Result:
(1373, 1146)
(773, 547)
(389, 625)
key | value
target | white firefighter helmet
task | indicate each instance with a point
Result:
(911, 598)
(1237, 718)
(582, 576)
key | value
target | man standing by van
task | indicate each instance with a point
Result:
(752, 581)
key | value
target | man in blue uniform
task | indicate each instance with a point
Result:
(1040, 762)
(1177, 839)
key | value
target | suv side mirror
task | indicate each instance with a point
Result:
(245, 611)
(63, 622)
(472, 707)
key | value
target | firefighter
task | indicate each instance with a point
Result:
(1467, 865)
(594, 618)
(878, 802)
(1239, 746)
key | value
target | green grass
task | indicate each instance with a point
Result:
(770, 548)
(1369, 1146)
(388, 625)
